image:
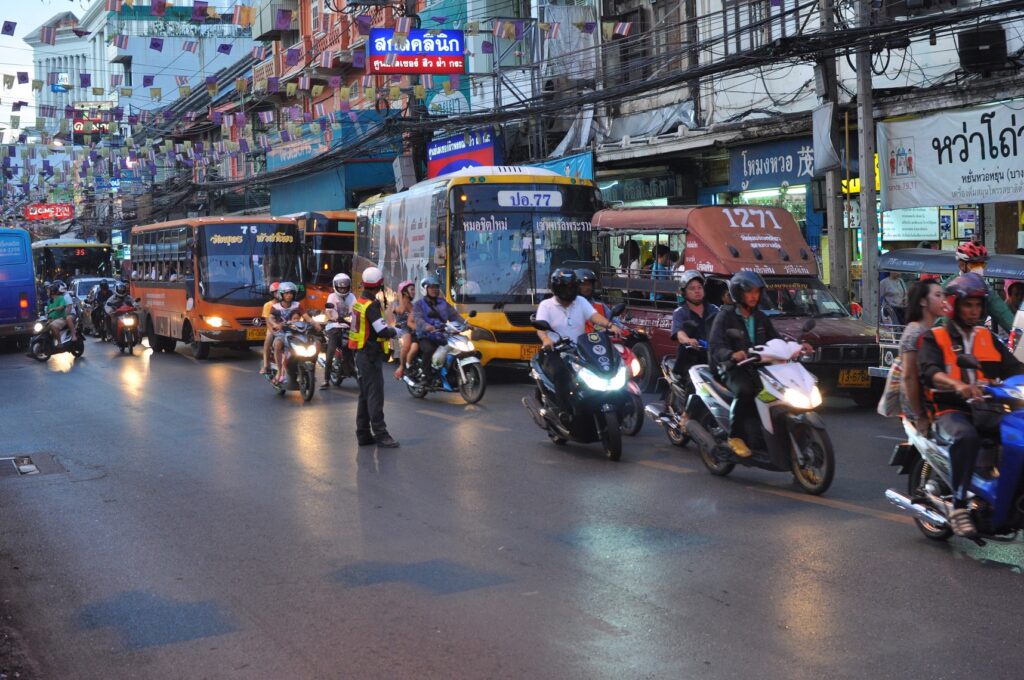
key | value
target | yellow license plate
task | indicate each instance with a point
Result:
(854, 377)
(526, 352)
(255, 333)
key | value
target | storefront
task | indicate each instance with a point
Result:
(632, 190)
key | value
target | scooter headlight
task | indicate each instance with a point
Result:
(128, 322)
(461, 343)
(797, 399)
(304, 350)
(320, 318)
(599, 384)
(38, 328)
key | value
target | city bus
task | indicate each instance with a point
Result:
(203, 281)
(17, 285)
(492, 235)
(68, 258)
(328, 239)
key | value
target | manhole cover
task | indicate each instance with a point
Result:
(19, 466)
(7, 468)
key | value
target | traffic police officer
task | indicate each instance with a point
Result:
(369, 339)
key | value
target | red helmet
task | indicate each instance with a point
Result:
(971, 252)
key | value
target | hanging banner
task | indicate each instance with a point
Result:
(962, 156)
(49, 211)
(422, 51)
(580, 166)
(469, 150)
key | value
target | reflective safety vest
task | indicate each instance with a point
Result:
(983, 349)
(602, 309)
(359, 328)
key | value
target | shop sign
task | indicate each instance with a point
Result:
(49, 211)
(771, 164)
(911, 224)
(634, 189)
(422, 51)
(580, 166)
(469, 150)
(962, 156)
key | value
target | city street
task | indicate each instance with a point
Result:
(186, 522)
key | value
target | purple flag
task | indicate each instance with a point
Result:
(285, 137)
(240, 120)
(291, 57)
(224, 48)
(334, 82)
(158, 7)
(147, 81)
(217, 117)
(85, 80)
(283, 20)
(487, 47)
(243, 145)
(199, 10)
(211, 80)
(22, 77)
(359, 59)
(8, 28)
(272, 85)
(363, 24)
(156, 44)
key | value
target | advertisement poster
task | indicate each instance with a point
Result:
(966, 223)
(911, 224)
(961, 156)
(437, 51)
(469, 150)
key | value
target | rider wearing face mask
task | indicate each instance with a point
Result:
(431, 312)
(971, 257)
(948, 387)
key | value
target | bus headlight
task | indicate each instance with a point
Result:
(214, 321)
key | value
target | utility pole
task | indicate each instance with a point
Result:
(838, 238)
(868, 203)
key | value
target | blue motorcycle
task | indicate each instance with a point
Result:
(997, 502)
(458, 368)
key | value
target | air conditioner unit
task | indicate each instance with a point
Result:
(982, 48)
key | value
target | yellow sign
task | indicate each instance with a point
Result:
(853, 186)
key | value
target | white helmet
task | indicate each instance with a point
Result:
(372, 277)
(342, 283)
(287, 287)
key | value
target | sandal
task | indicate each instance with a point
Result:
(962, 523)
(265, 370)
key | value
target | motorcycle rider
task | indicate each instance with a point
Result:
(948, 388)
(61, 310)
(118, 298)
(588, 281)
(342, 298)
(268, 341)
(745, 289)
(971, 257)
(99, 316)
(280, 314)
(693, 309)
(369, 339)
(568, 314)
(430, 313)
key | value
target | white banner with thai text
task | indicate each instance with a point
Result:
(962, 156)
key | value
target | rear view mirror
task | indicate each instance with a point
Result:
(539, 324)
(736, 337)
(618, 309)
(329, 305)
(966, 361)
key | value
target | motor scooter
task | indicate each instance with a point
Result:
(126, 328)
(997, 495)
(459, 368)
(42, 346)
(788, 435)
(671, 415)
(343, 366)
(300, 348)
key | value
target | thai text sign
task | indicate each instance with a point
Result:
(469, 150)
(422, 51)
(962, 156)
(911, 224)
(771, 164)
(49, 211)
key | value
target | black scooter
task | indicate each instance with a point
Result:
(344, 364)
(597, 398)
(42, 346)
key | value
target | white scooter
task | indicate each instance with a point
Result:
(791, 438)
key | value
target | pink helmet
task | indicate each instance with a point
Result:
(1008, 283)
(404, 284)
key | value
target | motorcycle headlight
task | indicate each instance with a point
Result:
(38, 328)
(599, 384)
(214, 321)
(461, 344)
(798, 399)
(304, 350)
(320, 318)
(129, 321)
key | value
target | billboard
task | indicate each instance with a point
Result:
(423, 51)
(49, 211)
(88, 126)
(472, 149)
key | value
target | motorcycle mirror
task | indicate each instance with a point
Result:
(472, 313)
(809, 325)
(618, 309)
(736, 336)
(329, 305)
(539, 324)
(968, 362)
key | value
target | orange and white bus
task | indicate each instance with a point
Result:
(328, 238)
(204, 280)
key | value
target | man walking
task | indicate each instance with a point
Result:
(368, 338)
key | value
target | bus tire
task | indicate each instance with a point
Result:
(167, 344)
(200, 349)
(155, 341)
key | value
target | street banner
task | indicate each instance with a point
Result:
(971, 155)
(49, 211)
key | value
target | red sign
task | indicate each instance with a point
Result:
(90, 126)
(49, 211)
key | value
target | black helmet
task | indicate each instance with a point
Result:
(120, 290)
(104, 285)
(689, 275)
(742, 282)
(584, 275)
(564, 284)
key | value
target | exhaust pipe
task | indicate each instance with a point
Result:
(534, 408)
(919, 511)
(700, 435)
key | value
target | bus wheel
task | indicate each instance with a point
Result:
(200, 349)
(166, 344)
(155, 341)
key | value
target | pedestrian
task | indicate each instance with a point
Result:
(368, 338)
(893, 294)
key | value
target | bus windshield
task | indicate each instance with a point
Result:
(327, 255)
(67, 262)
(506, 238)
(238, 262)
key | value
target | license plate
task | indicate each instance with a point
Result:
(255, 333)
(526, 352)
(854, 377)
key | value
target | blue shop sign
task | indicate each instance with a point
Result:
(770, 164)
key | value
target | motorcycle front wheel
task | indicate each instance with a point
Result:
(633, 415)
(919, 477)
(814, 474)
(611, 434)
(473, 387)
(307, 383)
(78, 347)
(38, 350)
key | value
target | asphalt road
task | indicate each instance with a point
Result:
(188, 523)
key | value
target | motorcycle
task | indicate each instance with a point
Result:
(126, 328)
(791, 437)
(460, 368)
(672, 414)
(997, 502)
(300, 348)
(598, 397)
(42, 346)
(344, 364)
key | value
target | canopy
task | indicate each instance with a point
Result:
(943, 263)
